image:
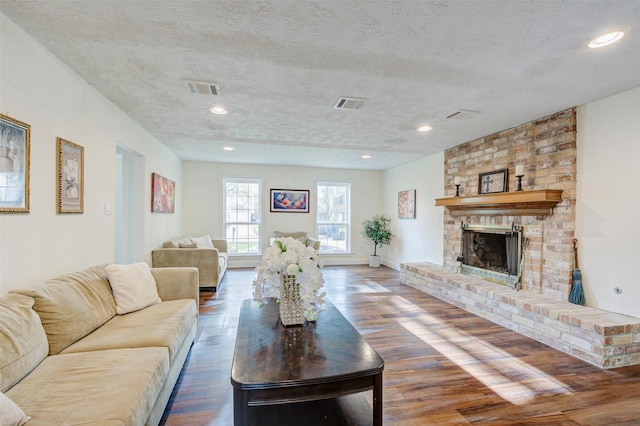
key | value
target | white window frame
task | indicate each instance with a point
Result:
(259, 223)
(338, 227)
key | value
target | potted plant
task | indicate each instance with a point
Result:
(377, 230)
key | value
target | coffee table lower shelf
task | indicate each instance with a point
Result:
(351, 410)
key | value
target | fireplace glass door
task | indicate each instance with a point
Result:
(492, 254)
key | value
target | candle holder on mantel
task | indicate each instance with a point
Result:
(519, 175)
(457, 181)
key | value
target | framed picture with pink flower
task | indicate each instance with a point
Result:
(289, 200)
(163, 194)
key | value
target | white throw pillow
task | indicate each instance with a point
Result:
(203, 242)
(133, 287)
(10, 413)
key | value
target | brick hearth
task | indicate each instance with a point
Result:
(598, 337)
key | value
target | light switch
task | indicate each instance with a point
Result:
(107, 209)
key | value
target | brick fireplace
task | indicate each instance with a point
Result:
(547, 149)
(546, 225)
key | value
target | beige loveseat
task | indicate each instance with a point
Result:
(302, 236)
(211, 262)
(67, 358)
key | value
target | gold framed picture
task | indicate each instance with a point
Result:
(15, 143)
(70, 177)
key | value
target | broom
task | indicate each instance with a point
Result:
(577, 293)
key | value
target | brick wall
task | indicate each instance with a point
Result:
(547, 149)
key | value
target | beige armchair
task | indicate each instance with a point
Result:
(211, 262)
(302, 236)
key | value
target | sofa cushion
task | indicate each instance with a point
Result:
(133, 286)
(23, 342)
(72, 306)
(176, 242)
(10, 413)
(188, 245)
(300, 236)
(165, 324)
(203, 242)
(114, 387)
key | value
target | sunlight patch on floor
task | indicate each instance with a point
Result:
(371, 287)
(511, 378)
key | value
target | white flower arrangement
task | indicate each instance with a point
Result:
(291, 257)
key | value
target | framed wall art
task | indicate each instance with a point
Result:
(492, 182)
(407, 204)
(15, 143)
(289, 200)
(70, 177)
(163, 194)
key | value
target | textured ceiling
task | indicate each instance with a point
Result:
(283, 64)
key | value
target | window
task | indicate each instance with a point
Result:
(242, 203)
(333, 217)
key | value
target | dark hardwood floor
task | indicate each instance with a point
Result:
(443, 366)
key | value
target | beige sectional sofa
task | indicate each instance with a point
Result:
(208, 255)
(68, 358)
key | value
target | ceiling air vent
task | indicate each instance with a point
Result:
(349, 103)
(204, 88)
(463, 113)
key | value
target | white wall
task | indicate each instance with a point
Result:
(608, 201)
(420, 239)
(38, 89)
(203, 202)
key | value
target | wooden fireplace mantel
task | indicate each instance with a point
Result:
(520, 203)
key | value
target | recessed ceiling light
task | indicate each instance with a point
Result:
(605, 40)
(228, 148)
(219, 110)
(366, 156)
(423, 129)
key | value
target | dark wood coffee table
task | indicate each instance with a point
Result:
(277, 365)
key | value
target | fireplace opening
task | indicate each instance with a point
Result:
(492, 253)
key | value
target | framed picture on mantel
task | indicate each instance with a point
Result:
(492, 182)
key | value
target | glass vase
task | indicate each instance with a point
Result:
(291, 309)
